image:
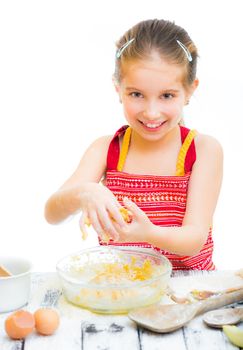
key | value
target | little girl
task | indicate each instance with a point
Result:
(168, 176)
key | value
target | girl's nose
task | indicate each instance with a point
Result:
(151, 111)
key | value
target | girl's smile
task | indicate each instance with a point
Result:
(152, 126)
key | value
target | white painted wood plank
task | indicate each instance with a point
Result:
(110, 333)
(169, 341)
(200, 337)
(67, 336)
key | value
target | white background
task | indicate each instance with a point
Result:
(56, 97)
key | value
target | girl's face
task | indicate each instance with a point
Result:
(153, 96)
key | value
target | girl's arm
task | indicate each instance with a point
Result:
(66, 200)
(203, 192)
(82, 191)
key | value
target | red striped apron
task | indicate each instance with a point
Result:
(162, 198)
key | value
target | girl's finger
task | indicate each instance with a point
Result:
(94, 219)
(136, 211)
(116, 215)
(82, 224)
(107, 224)
(122, 232)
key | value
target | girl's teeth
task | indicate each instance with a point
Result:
(153, 126)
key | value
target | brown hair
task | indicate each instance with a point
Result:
(159, 36)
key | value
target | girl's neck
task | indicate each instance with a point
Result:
(139, 143)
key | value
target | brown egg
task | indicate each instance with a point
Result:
(46, 321)
(19, 324)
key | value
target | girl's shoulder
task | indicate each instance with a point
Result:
(101, 143)
(206, 144)
(106, 140)
(106, 144)
(97, 151)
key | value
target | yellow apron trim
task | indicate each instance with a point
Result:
(180, 165)
(124, 149)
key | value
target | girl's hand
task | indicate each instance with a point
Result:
(99, 205)
(138, 230)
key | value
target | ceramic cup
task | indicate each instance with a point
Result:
(15, 289)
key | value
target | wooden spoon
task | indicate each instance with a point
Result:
(168, 318)
(4, 272)
(221, 317)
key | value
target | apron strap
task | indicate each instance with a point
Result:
(124, 149)
(114, 150)
(186, 157)
(187, 154)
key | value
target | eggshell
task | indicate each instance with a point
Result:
(46, 321)
(19, 324)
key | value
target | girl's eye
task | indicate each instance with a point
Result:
(167, 95)
(136, 94)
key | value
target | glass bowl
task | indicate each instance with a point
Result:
(114, 279)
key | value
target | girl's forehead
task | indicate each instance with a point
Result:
(153, 70)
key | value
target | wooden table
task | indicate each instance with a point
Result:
(82, 330)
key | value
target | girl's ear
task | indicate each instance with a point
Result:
(191, 90)
(194, 86)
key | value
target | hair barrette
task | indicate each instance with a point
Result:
(120, 51)
(185, 49)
